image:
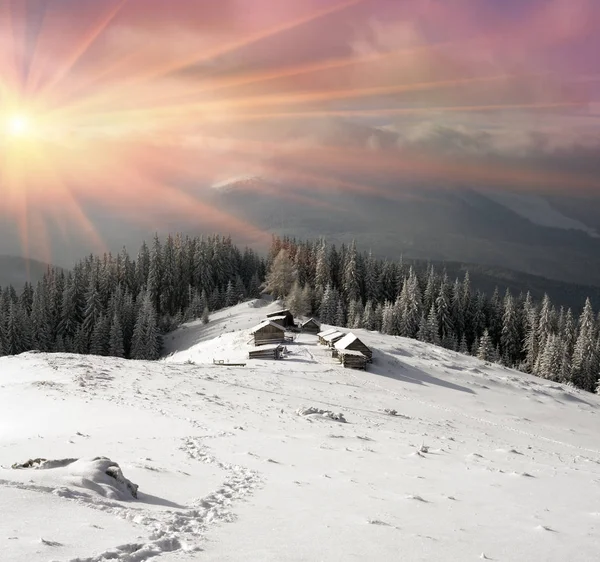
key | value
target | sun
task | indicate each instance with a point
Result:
(18, 125)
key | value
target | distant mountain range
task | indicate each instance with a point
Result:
(16, 271)
(553, 237)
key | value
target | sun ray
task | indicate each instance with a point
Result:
(172, 112)
(80, 49)
(389, 112)
(172, 66)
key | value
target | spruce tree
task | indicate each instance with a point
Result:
(486, 351)
(116, 344)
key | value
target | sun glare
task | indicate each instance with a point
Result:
(18, 125)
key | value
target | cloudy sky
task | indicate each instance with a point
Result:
(119, 115)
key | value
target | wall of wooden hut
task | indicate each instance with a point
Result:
(353, 359)
(268, 333)
(311, 326)
(266, 352)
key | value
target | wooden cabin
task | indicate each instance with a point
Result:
(268, 332)
(288, 318)
(352, 343)
(321, 335)
(311, 326)
(281, 320)
(331, 339)
(272, 351)
(352, 359)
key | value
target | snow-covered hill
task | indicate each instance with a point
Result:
(477, 462)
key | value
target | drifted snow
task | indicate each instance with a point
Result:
(442, 457)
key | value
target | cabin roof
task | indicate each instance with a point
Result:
(283, 313)
(347, 340)
(264, 324)
(351, 352)
(316, 322)
(327, 332)
(268, 347)
(333, 336)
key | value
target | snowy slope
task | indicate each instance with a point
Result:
(479, 462)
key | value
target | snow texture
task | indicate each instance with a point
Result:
(442, 457)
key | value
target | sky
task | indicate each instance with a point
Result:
(119, 115)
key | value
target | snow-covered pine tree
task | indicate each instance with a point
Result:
(116, 344)
(509, 338)
(100, 335)
(585, 354)
(329, 306)
(146, 341)
(351, 280)
(443, 311)
(544, 325)
(369, 321)
(411, 306)
(457, 309)
(340, 314)
(230, 297)
(371, 275)
(40, 326)
(486, 351)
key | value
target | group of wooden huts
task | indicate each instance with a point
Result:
(270, 335)
(348, 348)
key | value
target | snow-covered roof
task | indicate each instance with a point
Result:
(333, 336)
(351, 352)
(277, 317)
(311, 320)
(346, 341)
(284, 312)
(268, 347)
(326, 332)
(264, 325)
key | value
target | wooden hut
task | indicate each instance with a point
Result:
(352, 359)
(281, 320)
(272, 351)
(311, 326)
(288, 318)
(331, 339)
(321, 335)
(268, 332)
(352, 343)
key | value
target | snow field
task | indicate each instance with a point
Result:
(479, 461)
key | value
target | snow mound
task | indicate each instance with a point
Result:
(99, 475)
(316, 412)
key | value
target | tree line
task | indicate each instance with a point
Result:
(348, 288)
(119, 306)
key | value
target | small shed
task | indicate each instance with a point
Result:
(321, 335)
(272, 351)
(331, 339)
(311, 326)
(352, 359)
(268, 332)
(288, 318)
(352, 343)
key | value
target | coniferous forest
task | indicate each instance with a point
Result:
(122, 306)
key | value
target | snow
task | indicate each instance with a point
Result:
(428, 455)
(347, 340)
(538, 210)
(267, 323)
